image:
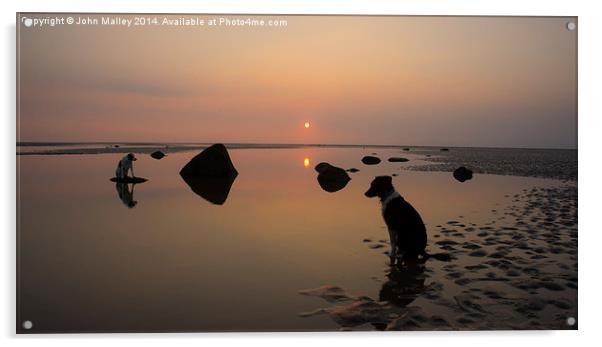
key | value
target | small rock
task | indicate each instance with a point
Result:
(157, 155)
(370, 160)
(398, 160)
(462, 174)
(331, 178)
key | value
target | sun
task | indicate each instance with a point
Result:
(306, 125)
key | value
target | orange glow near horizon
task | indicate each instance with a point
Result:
(306, 162)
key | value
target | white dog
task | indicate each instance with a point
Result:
(124, 166)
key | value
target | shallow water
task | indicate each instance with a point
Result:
(88, 262)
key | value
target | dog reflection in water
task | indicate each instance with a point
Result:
(405, 283)
(126, 194)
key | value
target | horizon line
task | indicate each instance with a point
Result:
(42, 143)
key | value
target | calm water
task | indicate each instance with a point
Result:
(175, 261)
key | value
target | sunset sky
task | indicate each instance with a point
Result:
(443, 81)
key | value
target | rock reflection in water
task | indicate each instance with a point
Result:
(213, 189)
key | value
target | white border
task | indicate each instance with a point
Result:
(590, 110)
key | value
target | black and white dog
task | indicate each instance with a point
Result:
(124, 166)
(406, 228)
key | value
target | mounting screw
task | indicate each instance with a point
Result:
(571, 26)
(571, 321)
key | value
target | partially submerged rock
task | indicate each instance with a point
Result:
(157, 155)
(444, 149)
(353, 170)
(210, 174)
(213, 161)
(322, 167)
(370, 160)
(331, 178)
(462, 174)
(398, 160)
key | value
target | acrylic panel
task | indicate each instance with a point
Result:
(223, 173)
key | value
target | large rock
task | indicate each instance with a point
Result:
(370, 160)
(398, 160)
(214, 161)
(331, 178)
(462, 174)
(210, 174)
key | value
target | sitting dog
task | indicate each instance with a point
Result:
(124, 166)
(407, 232)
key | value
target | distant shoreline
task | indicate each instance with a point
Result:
(200, 145)
(151, 147)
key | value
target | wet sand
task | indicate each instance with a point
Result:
(240, 265)
(519, 272)
(549, 163)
